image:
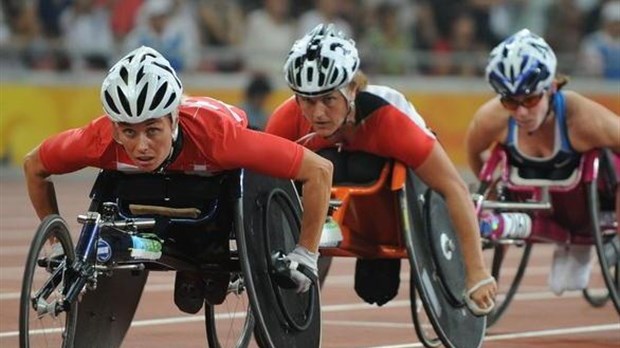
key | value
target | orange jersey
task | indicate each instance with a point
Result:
(215, 138)
(389, 126)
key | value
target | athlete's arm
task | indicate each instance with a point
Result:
(440, 174)
(315, 173)
(592, 125)
(40, 188)
(483, 131)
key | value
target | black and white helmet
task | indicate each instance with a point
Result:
(141, 86)
(522, 64)
(322, 61)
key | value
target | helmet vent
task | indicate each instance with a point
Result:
(124, 101)
(159, 96)
(124, 74)
(110, 102)
(140, 75)
(142, 98)
(173, 96)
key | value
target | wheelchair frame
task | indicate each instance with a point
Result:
(259, 206)
(390, 219)
(581, 186)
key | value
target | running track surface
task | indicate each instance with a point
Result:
(536, 318)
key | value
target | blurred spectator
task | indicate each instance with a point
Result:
(386, 43)
(600, 51)
(461, 54)
(5, 31)
(80, 25)
(508, 17)
(49, 13)
(564, 32)
(270, 34)
(325, 11)
(256, 94)
(221, 27)
(168, 31)
(123, 15)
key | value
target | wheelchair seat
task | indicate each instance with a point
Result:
(392, 215)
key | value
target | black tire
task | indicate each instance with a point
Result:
(267, 223)
(438, 272)
(423, 327)
(38, 271)
(596, 300)
(607, 247)
(231, 323)
(504, 298)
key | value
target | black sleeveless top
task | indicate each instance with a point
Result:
(558, 166)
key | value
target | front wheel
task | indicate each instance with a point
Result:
(231, 323)
(42, 321)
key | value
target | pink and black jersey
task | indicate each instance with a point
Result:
(215, 138)
(389, 126)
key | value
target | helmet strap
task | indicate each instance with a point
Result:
(175, 150)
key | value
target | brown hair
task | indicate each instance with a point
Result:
(561, 80)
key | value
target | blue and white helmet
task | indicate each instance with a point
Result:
(322, 61)
(522, 64)
(141, 86)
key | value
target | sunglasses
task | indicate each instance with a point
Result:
(528, 102)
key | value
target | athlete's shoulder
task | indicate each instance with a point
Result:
(388, 93)
(206, 108)
(384, 95)
(288, 107)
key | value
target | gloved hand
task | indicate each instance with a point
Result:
(302, 256)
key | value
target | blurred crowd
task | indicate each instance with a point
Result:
(395, 37)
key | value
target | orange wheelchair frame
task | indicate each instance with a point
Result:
(390, 219)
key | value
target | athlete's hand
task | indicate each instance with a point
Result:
(303, 266)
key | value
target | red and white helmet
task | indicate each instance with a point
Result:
(322, 61)
(141, 86)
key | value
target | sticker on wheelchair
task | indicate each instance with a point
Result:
(104, 251)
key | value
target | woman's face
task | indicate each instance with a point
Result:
(148, 143)
(527, 110)
(326, 113)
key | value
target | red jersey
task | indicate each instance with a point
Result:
(215, 138)
(389, 126)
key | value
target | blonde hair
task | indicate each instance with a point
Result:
(359, 81)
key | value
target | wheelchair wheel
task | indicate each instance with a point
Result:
(230, 324)
(607, 243)
(268, 222)
(40, 322)
(423, 327)
(594, 298)
(507, 284)
(496, 253)
(436, 260)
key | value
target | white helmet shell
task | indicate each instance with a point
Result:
(141, 86)
(322, 61)
(522, 64)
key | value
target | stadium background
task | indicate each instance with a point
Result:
(50, 75)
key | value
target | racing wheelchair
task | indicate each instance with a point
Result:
(386, 214)
(575, 207)
(231, 229)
